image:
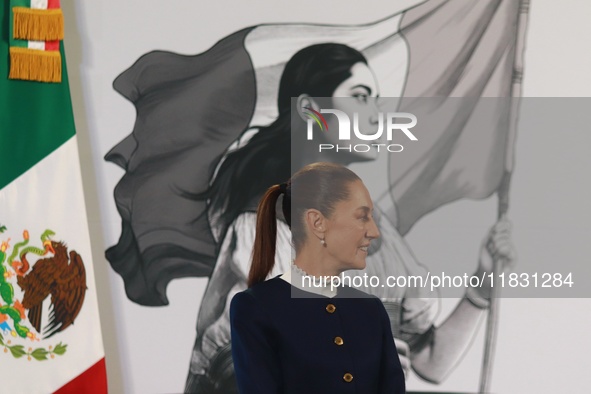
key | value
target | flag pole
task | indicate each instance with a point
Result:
(503, 193)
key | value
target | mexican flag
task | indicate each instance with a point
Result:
(50, 336)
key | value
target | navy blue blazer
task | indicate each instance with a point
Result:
(316, 344)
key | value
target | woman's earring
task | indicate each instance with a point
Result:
(323, 242)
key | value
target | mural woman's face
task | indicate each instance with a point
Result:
(359, 95)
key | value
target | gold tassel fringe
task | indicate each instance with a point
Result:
(35, 65)
(38, 25)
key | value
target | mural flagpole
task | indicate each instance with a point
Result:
(503, 193)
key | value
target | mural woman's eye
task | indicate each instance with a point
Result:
(361, 97)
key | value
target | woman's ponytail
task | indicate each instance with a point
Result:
(263, 254)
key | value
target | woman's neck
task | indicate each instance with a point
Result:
(308, 152)
(312, 263)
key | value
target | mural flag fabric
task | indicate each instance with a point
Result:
(471, 68)
(50, 334)
(190, 109)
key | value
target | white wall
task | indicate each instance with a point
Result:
(542, 342)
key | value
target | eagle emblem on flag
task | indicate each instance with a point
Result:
(29, 276)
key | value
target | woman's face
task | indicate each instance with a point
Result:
(350, 229)
(357, 94)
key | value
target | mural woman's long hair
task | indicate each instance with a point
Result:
(247, 172)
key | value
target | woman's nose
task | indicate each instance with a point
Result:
(375, 111)
(372, 231)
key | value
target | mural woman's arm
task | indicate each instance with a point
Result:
(454, 336)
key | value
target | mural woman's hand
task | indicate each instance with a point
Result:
(497, 248)
(403, 355)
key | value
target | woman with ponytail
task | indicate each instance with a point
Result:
(291, 338)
